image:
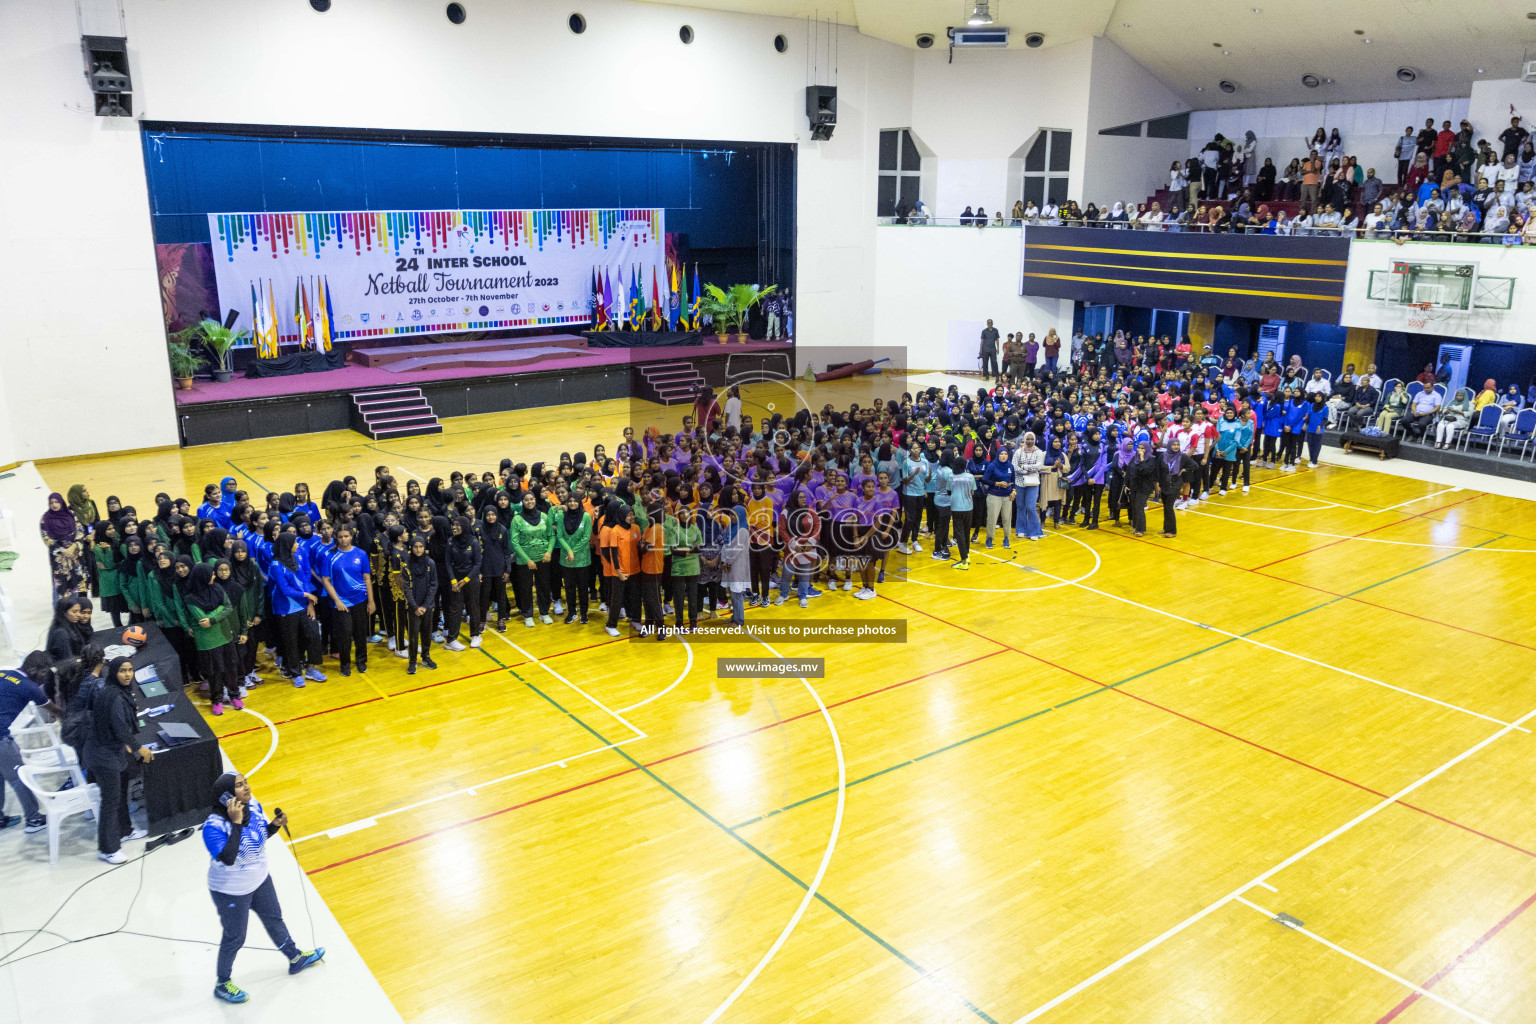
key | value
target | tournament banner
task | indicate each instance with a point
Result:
(376, 273)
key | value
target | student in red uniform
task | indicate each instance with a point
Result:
(620, 550)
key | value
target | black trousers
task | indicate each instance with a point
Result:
(351, 626)
(220, 667)
(1117, 498)
(961, 520)
(625, 594)
(1170, 524)
(911, 517)
(650, 600)
(988, 364)
(762, 560)
(1229, 470)
(941, 516)
(295, 645)
(1292, 447)
(577, 582)
(385, 602)
(453, 611)
(112, 823)
(1139, 511)
(1090, 503)
(402, 625)
(493, 593)
(1271, 448)
(419, 634)
(532, 584)
(685, 599)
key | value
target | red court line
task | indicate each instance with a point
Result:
(416, 689)
(1413, 997)
(650, 764)
(1323, 590)
(1230, 735)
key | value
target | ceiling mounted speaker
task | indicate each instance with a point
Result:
(1227, 86)
(1034, 40)
(924, 40)
(1406, 74)
(1310, 81)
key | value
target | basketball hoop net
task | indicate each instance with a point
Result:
(1418, 315)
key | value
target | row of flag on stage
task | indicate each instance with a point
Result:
(315, 322)
(616, 306)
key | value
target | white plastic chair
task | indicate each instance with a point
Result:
(58, 804)
(40, 743)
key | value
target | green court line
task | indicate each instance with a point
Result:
(252, 479)
(839, 911)
(1097, 690)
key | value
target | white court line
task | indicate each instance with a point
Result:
(1268, 886)
(368, 822)
(821, 869)
(1277, 650)
(1097, 563)
(270, 750)
(1344, 503)
(409, 473)
(1365, 540)
(639, 733)
(1426, 993)
(1199, 915)
(662, 693)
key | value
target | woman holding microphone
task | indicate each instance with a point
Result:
(240, 882)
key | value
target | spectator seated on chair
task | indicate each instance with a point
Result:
(1342, 398)
(1395, 407)
(1318, 385)
(1364, 402)
(1422, 410)
(1457, 415)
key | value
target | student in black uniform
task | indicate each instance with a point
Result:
(418, 584)
(495, 565)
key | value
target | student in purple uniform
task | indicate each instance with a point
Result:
(843, 529)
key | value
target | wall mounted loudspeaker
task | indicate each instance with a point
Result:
(106, 70)
(924, 40)
(821, 109)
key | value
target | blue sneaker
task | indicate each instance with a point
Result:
(230, 992)
(814, 593)
(304, 960)
(298, 681)
(314, 675)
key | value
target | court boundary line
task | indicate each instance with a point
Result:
(1278, 650)
(639, 732)
(1339, 538)
(270, 750)
(1300, 929)
(1264, 876)
(1116, 686)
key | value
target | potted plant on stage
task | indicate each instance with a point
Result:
(730, 308)
(184, 362)
(219, 340)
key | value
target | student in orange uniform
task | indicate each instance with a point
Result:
(652, 547)
(760, 527)
(620, 548)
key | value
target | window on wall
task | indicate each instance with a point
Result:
(899, 171)
(1046, 166)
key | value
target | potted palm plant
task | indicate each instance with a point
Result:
(219, 340)
(184, 362)
(729, 308)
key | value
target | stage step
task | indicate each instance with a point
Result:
(393, 412)
(668, 383)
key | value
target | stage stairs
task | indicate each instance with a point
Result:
(393, 412)
(669, 383)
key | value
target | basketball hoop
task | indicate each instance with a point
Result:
(1419, 314)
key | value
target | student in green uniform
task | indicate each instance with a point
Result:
(532, 539)
(684, 541)
(572, 531)
(211, 620)
(104, 545)
(251, 608)
(131, 570)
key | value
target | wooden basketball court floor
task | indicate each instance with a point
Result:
(1083, 790)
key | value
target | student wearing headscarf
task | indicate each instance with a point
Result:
(70, 630)
(495, 562)
(62, 533)
(240, 882)
(418, 588)
(250, 606)
(104, 556)
(735, 560)
(1119, 483)
(1094, 458)
(1234, 448)
(112, 753)
(1141, 478)
(131, 572)
(531, 540)
(571, 529)
(214, 629)
(463, 562)
(1028, 462)
(1170, 479)
(298, 643)
(619, 548)
(348, 582)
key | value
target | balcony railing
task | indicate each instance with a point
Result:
(1406, 234)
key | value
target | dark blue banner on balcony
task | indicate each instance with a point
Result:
(1264, 276)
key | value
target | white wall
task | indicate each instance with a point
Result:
(76, 205)
(1489, 109)
(975, 113)
(931, 276)
(1369, 130)
(1117, 167)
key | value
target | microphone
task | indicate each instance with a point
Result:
(278, 812)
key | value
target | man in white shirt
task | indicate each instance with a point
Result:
(1371, 375)
(1318, 385)
(1422, 410)
(733, 408)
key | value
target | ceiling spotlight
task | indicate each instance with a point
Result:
(1311, 81)
(1327, 81)
(1226, 53)
(1406, 74)
(1257, 11)
(1367, 40)
(1479, 70)
(981, 14)
(1199, 88)
(1125, 24)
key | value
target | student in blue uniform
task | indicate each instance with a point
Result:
(1294, 424)
(348, 580)
(1271, 420)
(291, 601)
(1317, 422)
